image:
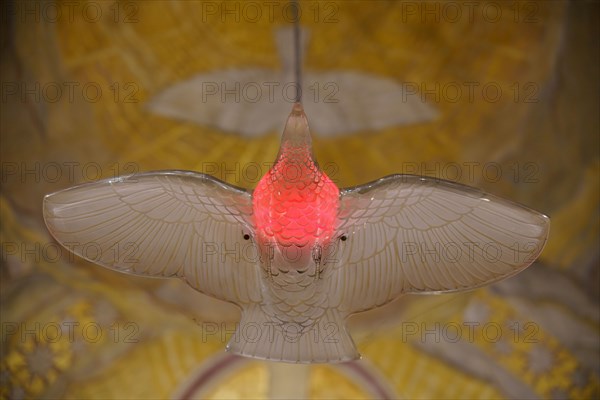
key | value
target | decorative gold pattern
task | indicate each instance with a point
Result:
(170, 42)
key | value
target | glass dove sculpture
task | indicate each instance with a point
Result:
(298, 255)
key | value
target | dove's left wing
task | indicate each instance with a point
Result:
(408, 234)
(162, 224)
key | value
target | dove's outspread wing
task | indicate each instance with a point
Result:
(162, 224)
(408, 234)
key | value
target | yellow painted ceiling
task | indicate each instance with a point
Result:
(542, 134)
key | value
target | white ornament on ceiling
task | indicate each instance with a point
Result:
(251, 101)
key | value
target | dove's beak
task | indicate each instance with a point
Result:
(296, 133)
(297, 109)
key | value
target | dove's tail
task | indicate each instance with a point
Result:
(326, 341)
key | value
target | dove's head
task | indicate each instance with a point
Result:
(295, 203)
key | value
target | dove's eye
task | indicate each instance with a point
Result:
(246, 236)
(343, 238)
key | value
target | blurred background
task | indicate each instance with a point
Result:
(498, 95)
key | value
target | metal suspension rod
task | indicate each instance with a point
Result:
(297, 50)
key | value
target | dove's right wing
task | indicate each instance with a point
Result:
(408, 234)
(162, 224)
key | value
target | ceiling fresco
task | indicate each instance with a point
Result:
(498, 95)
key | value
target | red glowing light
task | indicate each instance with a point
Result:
(295, 203)
(295, 209)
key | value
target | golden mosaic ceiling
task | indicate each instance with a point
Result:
(514, 85)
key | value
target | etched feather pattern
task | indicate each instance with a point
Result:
(408, 234)
(166, 224)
